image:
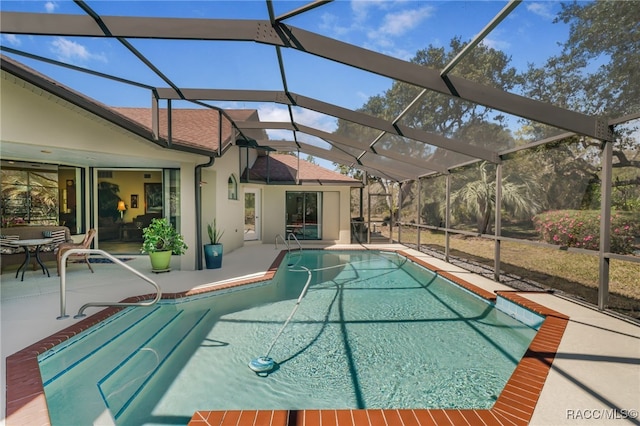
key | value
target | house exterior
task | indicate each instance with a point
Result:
(69, 159)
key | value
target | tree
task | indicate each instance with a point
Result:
(606, 33)
(593, 74)
(350, 171)
(609, 30)
(520, 197)
(438, 113)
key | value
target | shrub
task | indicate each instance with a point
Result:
(581, 228)
(160, 235)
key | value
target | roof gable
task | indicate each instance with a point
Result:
(283, 168)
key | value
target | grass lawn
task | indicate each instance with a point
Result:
(572, 273)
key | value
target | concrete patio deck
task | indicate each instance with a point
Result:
(594, 379)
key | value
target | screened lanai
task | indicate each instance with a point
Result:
(445, 110)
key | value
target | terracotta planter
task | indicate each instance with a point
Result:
(160, 261)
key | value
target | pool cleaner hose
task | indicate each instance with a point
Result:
(263, 365)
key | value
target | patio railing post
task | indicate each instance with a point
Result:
(605, 225)
(447, 217)
(368, 210)
(419, 216)
(63, 290)
(498, 223)
(399, 213)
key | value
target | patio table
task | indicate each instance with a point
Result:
(28, 244)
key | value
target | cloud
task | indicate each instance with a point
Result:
(361, 9)
(268, 112)
(496, 44)
(331, 23)
(68, 50)
(541, 9)
(50, 6)
(314, 141)
(315, 119)
(12, 39)
(393, 26)
(279, 135)
(301, 115)
(278, 113)
(499, 39)
(397, 24)
(380, 25)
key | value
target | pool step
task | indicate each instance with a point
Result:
(122, 384)
(64, 358)
(108, 349)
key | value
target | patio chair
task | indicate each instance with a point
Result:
(85, 244)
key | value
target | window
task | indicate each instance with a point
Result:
(232, 188)
(304, 215)
(41, 194)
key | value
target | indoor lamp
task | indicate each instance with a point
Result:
(121, 208)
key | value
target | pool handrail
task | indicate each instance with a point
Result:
(80, 314)
(291, 234)
(287, 240)
(283, 241)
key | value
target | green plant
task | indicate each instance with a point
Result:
(214, 233)
(160, 235)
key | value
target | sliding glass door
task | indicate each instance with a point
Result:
(303, 212)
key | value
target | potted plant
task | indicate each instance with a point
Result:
(160, 241)
(213, 251)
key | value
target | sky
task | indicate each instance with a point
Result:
(398, 28)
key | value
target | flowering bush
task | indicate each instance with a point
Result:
(581, 228)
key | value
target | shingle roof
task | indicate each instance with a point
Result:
(197, 128)
(281, 168)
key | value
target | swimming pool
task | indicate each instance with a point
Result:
(373, 331)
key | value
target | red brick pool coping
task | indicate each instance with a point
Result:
(26, 403)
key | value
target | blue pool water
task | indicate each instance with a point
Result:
(373, 331)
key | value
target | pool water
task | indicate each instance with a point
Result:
(373, 331)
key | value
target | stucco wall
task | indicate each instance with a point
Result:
(335, 212)
(43, 120)
(188, 215)
(229, 214)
